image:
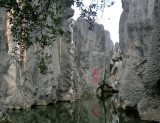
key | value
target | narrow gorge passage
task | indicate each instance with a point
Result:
(82, 74)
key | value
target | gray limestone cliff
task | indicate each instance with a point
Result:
(93, 54)
(113, 79)
(4, 62)
(139, 43)
(80, 61)
(149, 106)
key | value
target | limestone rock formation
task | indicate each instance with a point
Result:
(79, 62)
(139, 42)
(92, 54)
(113, 79)
(4, 62)
(135, 32)
(149, 106)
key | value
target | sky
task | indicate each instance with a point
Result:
(109, 18)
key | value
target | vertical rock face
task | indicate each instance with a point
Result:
(69, 86)
(92, 55)
(135, 32)
(80, 60)
(139, 42)
(113, 78)
(3, 49)
(3, 61)
(149, 106)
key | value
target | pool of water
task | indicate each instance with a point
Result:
(90, 109)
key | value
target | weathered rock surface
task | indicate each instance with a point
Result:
(139, 42)
(113, 79)
(79, 62)
(92, 54)
(135, 32)
(149, 106)
(4, 63)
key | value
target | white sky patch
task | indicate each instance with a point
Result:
(109, 18)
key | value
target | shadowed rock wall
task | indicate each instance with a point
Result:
(139, 42)
(149, 106)
(3, 60)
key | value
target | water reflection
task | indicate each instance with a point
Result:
(90, 109)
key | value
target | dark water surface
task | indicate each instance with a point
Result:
(90, 109)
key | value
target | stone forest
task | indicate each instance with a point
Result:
(89, 79)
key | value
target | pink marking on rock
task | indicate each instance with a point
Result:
(95, 80)
(96, 72)
(95, 112)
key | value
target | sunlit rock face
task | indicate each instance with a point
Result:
(139, 42)
(80, 60)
